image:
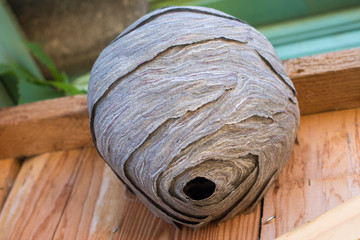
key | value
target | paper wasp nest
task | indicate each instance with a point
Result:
(193, 111)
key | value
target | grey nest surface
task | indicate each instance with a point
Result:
(192, 110)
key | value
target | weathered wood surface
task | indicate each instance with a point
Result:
(95, 204)
(75, 195)
(39, 195)
(44, 126)
(324, 82)
(323, 172)
(8, 170)
(341, 222)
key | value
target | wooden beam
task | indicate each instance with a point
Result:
(341, 222)
(324, 82)
(44, 126)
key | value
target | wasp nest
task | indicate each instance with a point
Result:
(193, 111)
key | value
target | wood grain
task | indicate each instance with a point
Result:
(99, 208)
(324, 82)
(8, 171)
(44, 126)
(96, 202)
(39, 194)
(341, 222)
(242, 227)
(323, 172)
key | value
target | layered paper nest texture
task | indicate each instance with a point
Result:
(193, 111)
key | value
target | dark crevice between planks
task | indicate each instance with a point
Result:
(73, 178)
(261, 216)
(10, 179)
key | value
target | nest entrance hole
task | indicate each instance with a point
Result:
(199, 188)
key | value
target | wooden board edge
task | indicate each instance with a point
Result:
(326, 82)
(340, 221)
(322, 63)
(46, 126)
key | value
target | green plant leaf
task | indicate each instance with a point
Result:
(67, 88)
(29, 87)
(10, 84)
(5, 69)
(31, 92)
(65, 77)
(15, 70)
(32, 88)
(5, 98)
(81, 82)
(45, 59)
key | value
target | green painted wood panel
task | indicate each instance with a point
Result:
(264, 12)
(316, 34)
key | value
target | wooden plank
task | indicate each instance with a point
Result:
(95, 204)
(38, 197)
(324, 171)
(341, 222)
(45, 126)
(244, 227)
(99, 208)
(324, 83)
(8, 170)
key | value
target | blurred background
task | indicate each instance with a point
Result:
(47, 47)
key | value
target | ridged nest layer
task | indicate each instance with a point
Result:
(193, 111)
